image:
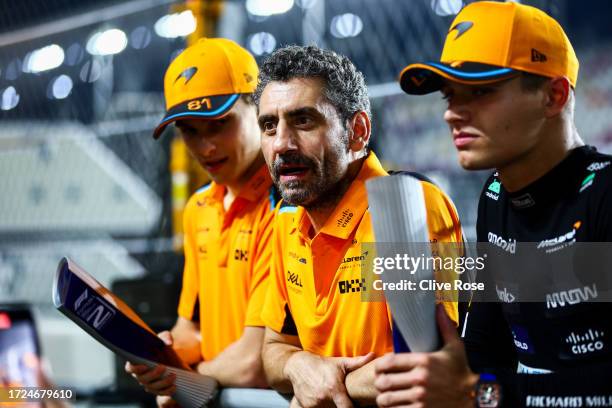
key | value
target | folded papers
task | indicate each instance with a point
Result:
(399, 217)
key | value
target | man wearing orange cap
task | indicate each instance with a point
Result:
(227, 223)
(508, 72)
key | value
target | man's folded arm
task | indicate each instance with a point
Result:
(186, 340)
(277, 349)
(239, 364)
(360, 384)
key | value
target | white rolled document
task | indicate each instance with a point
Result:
(399, 218)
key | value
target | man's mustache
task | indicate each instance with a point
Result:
(290, 159)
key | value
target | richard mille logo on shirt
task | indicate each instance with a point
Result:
(568, 401)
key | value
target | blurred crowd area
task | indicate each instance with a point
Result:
(81, 89)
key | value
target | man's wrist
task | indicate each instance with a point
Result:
(290, 363)
(204, 368)
(360, 387)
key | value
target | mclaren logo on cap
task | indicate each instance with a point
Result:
(461, 28)
(187, 74)
(418, 79)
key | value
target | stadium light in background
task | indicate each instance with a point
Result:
(140, 38)
(10, 98)
(43, 59)
(61, 87)
(13, 69)
(262, 43)
(346, 25)
(91, 71)
(74, 54)
(306, 4)
(446, 7)
(265, 8)
(108, 42)
(176, 25)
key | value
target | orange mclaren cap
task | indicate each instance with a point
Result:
(490, 41)
(206, 80)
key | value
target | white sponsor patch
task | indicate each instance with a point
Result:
(524, 369)
(508, 245)
(598, 166)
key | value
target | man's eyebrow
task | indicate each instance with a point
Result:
(307, 110)
(265, 118)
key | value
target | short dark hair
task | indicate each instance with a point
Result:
(532, 82)
(343, 85)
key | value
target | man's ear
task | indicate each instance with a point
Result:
(557, 95)
(360, 129)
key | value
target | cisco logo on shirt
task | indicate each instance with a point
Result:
(345, 218)
(591, 341)
(507, 245)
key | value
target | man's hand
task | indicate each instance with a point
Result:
(153, 379)
(294, 403)
(439, 379)
(319, 381)
(166, 402)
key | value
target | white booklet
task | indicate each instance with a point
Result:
(109, 320)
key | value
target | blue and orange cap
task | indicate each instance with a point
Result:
(206, 80)
(490, 41)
